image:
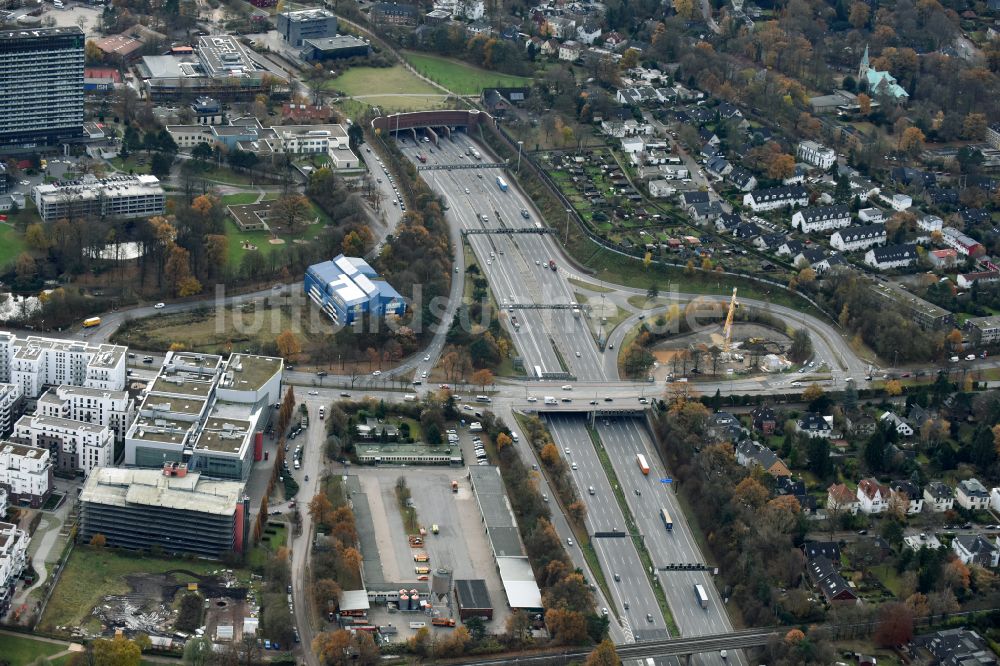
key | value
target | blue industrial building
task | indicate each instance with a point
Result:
(347, 288)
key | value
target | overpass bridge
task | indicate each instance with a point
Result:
(683, 648)
(454, 167)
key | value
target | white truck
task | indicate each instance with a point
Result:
(549, 400)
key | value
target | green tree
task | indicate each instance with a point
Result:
(801, 348)
(118, 651)
(198, 651)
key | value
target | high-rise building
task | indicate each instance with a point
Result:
(41, 85)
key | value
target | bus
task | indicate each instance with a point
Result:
(502, 184)
(699, 592)
(641, 459)
(90, 322)
(667, 520)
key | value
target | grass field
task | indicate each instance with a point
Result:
(239, 199)
(393, 88)
(91, 574)
(460, 77)
(261, 239)
(209, 332)
(21, 651)
(11, 244)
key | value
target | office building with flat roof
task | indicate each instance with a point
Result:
(983, 330)
(926, 314)
(180, 511)
(34, 362)
(347, 288)
(206, 413)
(297, 26)
(115, 196)
(41, 86)
(334, 48)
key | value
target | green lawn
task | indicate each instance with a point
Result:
(460, 77)
(240, 199)
(21, 651)
(91, 574)
(392, 88)
(261, 239)
(11, 244)
(136, 163)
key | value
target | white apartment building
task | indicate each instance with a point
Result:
(939, 497)
(776, 197)
(10, 397)
(971, 494)
(816, 154)
(822, 218)
(930, 223)
(34, 362)
(3, 502)
(113, 409)
(858, 237)
(25, 473)
(873, 497)
(13, 559)
(115, 196)
(898, 202)
(74, 444)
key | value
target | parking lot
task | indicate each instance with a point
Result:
(460, 543)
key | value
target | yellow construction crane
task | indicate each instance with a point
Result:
(727, 330)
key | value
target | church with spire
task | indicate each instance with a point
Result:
(879, 82)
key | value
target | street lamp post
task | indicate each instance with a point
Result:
(519, 144)
(566, 240)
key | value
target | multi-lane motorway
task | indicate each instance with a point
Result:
(516, 264)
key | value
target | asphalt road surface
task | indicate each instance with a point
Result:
(624, 439)
(516, 265)
(619, 559)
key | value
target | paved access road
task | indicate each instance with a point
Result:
(624, 439)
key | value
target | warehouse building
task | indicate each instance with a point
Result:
(516, 574)
(171, 508)
(473, 599)
(347, 288)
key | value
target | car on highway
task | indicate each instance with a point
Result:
(567, 387)
(376, 373)
(313, 392)
(644, 401)
(569, 541)
(578, 354)
(345, 394)
(608, 399)
(618, 578)
(147, 359)
(573, 466)
(423, 375)
(594, 401)
(427, 357)
(567, 399)
(796, 384)
(532, 398)
(160, 306)
(466, 190)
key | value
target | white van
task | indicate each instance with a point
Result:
(409, 397)
(476, 426)
(513, 436)
(549, 400)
